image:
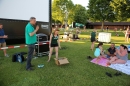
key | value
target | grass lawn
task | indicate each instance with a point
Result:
(79, 72)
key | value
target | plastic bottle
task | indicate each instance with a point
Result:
(19, 59)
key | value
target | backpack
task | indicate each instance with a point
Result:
(17, 57)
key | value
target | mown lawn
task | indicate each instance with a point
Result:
(79, 72)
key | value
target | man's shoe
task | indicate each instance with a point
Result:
(29, 69)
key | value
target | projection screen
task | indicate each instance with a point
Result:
(24, 9)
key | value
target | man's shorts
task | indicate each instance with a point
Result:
(108, 56)
(3, 44)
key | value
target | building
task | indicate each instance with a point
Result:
(111, 25)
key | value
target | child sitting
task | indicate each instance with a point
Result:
(99, 52)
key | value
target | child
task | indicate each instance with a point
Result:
(54, 43)
(99, 51)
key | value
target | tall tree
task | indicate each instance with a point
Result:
(100, 10)
(121, 9)
(80, 14)
(61, 10)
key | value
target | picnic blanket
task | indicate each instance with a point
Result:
(124, 68)
(102, 61)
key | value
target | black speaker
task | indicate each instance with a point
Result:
(42, 37)
(42, 47)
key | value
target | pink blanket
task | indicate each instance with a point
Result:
(102, 61)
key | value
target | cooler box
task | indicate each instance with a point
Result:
(104, 37)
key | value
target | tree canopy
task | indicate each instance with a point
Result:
(59, 9)
(97, 11)
(80, 14)
(100, 10)
(121, 9)
(75, 13)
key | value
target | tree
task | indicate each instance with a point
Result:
(61, 9)
(80, 14)
(121, 9)
(100, 10)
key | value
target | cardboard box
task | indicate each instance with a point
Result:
(61, 61)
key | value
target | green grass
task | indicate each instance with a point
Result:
(79, 72)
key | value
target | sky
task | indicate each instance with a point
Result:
(82, 2)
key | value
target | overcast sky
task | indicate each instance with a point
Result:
(82, 2)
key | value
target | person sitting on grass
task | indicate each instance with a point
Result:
(121, 56)
(111, 51)
(99, 52)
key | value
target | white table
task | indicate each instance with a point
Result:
(104, 37)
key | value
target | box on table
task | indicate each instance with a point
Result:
(61, 61)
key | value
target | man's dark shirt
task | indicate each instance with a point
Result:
(2, 40)
(112, 51)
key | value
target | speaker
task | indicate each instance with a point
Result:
(42, 37)
(43, 47)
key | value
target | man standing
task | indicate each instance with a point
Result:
(30, 36)
(2, 39)
(107, 28)
(111, 51)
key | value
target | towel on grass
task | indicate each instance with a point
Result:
(102, 61)
(124, 68)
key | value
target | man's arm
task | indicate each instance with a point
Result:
(5, 36)
(34, 32)
(1, 36)
(108, 53)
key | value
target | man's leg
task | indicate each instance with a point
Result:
(4, 45)
(0, 45)
(30, 55)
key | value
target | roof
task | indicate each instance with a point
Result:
(109, 23)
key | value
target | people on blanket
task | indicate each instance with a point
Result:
(121, 56)
(111, 52)
(99, 51)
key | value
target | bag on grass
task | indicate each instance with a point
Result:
(18, 57)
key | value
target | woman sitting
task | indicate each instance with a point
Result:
(121, 56)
